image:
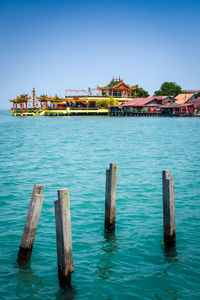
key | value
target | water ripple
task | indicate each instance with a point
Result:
(74, 152)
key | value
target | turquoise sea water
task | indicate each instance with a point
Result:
(74, 152)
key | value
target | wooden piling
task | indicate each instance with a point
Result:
(31, 224)
(110, 197)
(64, 238)
(168, 210)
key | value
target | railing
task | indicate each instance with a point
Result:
(84, 108)
(73, 108)
(95, 96)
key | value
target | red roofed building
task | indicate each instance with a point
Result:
(163, 99)
(196, 103)
(142, 105)
(184, 98)
(116, 88)
(192, 91)
(178, 109)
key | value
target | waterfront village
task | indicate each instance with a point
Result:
(115, 99)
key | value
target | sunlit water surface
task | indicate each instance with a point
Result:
(74, 152)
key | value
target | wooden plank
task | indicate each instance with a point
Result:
(31, 224)
(64, 238)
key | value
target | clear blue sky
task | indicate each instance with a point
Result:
(54, 45)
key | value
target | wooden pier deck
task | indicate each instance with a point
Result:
(134, 114)
(62, 112)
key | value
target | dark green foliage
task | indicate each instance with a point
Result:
(139, 92)
(169, 89)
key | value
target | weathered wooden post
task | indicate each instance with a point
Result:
(64, 238)
(110, 197)
(168, 210)
(31, 224)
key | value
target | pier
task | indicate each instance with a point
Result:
(133, 114)
(98, 103)
(114, 99)
(62, 112)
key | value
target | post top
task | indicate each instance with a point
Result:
(63, 193)
(113, 164)
(38, 189)
(166, 174)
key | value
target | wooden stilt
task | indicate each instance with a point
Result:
(64, 238)
(168, 210)
(31, 224)
(110, 197)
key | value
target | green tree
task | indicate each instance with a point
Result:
(112, 101)
(139, 92)
(198, 95)
(169, 89)
(104, 103)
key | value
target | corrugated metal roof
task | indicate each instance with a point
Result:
(137, 102)
(182, 98)
(158, 97)
(170, 105)
(141, 101)
(192, 91)
(196, 102)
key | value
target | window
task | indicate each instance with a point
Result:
(117, 93)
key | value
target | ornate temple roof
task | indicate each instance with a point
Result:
(43, 98)
(21, 99)
(56, 99)
(115, 83)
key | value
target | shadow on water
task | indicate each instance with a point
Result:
(111, 242)
(67, 293)
(168, 290)
(171, 294)
(106, 264)
(171, 255)
(27, 280)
